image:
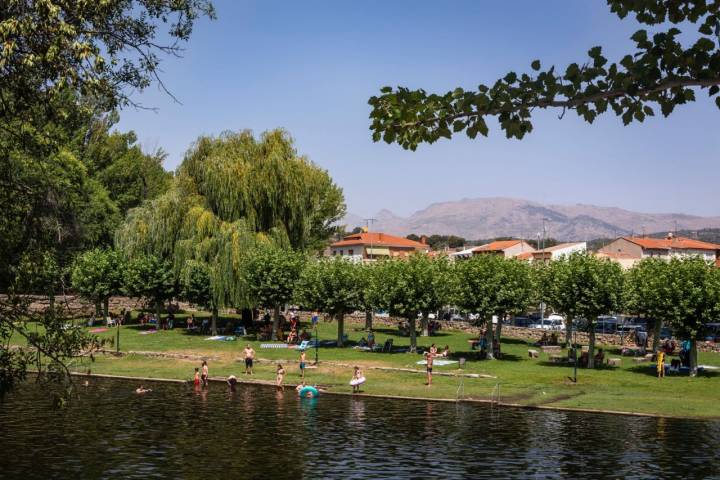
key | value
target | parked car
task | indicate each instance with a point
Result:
(606, 324)
(554, 324)
(520, 322)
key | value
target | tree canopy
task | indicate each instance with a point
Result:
(335, 286)
(492, 285)
(98, 274)
(665, 70)
(409, 287)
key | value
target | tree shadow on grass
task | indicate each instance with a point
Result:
(394, 332)
(650, 369)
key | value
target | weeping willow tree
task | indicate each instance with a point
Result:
(233, 193)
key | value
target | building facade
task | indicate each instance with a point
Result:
(369, 246)
(634, 249)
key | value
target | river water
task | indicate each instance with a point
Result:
(257, 432)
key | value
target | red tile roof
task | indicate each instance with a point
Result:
(676, 243)
(524, 255)
(496, 246)
(378, 239)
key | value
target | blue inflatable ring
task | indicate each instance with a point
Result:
(309, 390)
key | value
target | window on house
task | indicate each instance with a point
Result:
(350, 252)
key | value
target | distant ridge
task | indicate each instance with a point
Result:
(489, 217)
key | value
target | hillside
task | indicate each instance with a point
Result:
(497, 216)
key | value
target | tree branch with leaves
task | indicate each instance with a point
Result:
(661, 72)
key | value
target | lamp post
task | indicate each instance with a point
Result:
(575, 350)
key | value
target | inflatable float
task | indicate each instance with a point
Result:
(308, 392)
(357, 381)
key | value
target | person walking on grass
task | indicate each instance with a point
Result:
(205, 374)
(279, 376)
(302, 365)
(249, 354)
(428, 367)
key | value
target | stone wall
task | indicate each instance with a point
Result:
(76, 306)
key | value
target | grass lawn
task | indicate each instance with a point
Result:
(521, 380)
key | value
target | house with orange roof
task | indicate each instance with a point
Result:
(369, 246)
(556, 251)
(506, 248)
(637, 248)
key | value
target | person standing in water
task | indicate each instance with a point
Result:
(279, 376)
(196, 380)
(302, 365)
(249, 354)
(205, 373)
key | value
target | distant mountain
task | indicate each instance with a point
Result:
(475, 218)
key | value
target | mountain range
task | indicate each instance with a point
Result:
(490, 217)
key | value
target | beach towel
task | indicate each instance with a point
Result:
(222, 338)
(439, 363)
(147, 332)
(273, 345)
(98, 330)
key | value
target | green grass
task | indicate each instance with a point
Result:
(521, 380)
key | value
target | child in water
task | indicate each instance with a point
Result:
(280, 375)
(356, 380)
(196, 381)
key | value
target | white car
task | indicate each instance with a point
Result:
(553, 322)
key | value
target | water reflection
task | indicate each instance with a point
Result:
(178, 432)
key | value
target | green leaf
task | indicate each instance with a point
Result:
(535, 65)
(639, 36)
(713, 90)
(511, 77)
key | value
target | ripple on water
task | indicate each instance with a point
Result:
(256, 432)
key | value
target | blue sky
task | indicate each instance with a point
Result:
(310, 67)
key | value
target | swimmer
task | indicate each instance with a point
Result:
(232, 381)
(141, 389)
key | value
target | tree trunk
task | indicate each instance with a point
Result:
(656, 335)
(213, 322)
(98, 309)
(158, 309)
(693, 358)
(498, 332)
(247, 317)
(568, 329)
(591, 348)
(276, 322)
(368, 319)
(413, 335)
(106, 308)
(424, 325)
(341, 328)
(490, 340)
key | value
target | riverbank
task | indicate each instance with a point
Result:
(515, 380)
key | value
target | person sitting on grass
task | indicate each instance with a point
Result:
(446, 351)
(599, 357)
(362, 342)
(304, 335)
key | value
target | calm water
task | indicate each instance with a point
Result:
(256, 432)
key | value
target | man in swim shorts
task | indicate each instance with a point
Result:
(429, 366)
(249, 354)
(302, 365)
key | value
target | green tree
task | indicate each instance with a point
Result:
(271, 275)
(231, 194)
(197, 288)
(665, 70)
(334, 286)
(692, 295)
(409, 287)
(647, 292)
(585, 286)
(151, 278)
(97, 275)
(101, 50)
(38, 272)
(491, 285)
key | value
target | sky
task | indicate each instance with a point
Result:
(310, 67)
